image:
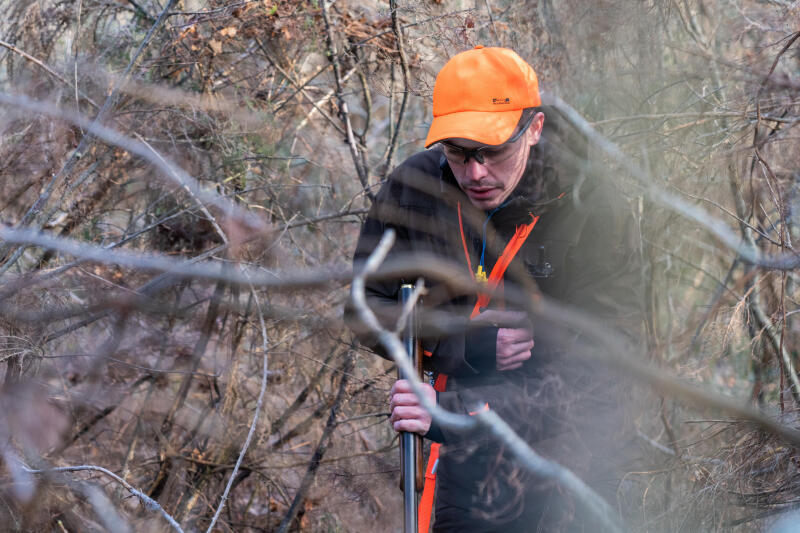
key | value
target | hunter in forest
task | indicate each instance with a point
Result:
(505, 191)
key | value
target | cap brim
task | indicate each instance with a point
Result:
(485, 127)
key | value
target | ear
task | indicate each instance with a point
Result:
(535, 129)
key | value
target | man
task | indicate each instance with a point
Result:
(504, 194)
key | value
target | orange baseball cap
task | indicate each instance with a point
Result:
(480, 94)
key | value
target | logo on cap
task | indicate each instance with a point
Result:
(501, 101)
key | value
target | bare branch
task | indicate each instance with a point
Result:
(401, 51)
(321, 449)
(149, 503)
(788, 261)
(47, 69)
(163, 263)
(264, 374)
(169, 169)
(361, 172)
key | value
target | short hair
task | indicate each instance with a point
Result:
(524, 119)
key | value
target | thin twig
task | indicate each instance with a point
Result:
(315, 105)
(259, 403)
(771, 330)
(47, 69)
(398, 36)
(344, 113)
(139, 9)
(320, 450)
(200, 205)
(693, 114)
(149, 503)
(729, 213)
(491, 22)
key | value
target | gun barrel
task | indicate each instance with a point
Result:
(409, 450)
(409, 484)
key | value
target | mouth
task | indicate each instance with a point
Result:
(481, 192)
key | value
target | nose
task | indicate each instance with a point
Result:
(475, 171)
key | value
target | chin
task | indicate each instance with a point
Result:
(485, 205)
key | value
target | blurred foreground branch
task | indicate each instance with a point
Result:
(149, 503)
(786, 261)
(522, 451)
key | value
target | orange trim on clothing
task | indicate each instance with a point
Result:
(484, 408)
(464, 242)
(428, 490)
(500, 267)
(440, 385)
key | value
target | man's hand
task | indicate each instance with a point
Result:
(514, 337)
(407, 411)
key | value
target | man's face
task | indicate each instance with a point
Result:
(489, 184)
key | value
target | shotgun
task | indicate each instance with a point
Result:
(411, 473)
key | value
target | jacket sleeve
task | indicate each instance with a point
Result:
(415, 216)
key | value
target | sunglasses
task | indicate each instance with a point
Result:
(491, 154)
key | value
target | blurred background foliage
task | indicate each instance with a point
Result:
(294, 111)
